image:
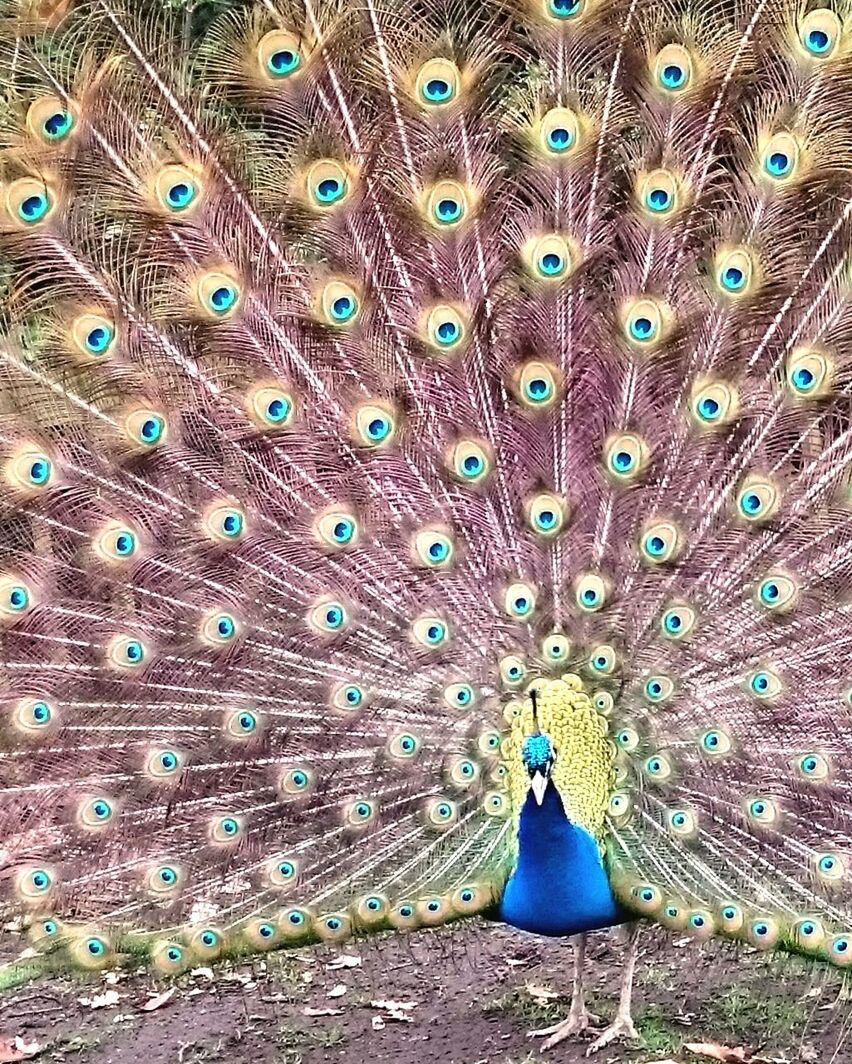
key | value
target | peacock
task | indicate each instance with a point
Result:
(425, 453)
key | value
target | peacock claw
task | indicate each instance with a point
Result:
(576, 1022)
(621, 1027)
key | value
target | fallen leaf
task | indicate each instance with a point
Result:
(668, 1060)
(308, 1011)
(377, 1023)
(207, 973)
(101, 1001)
(541, 993)
(17, 1048)
(395, 1010)
(158, 1000)
(717, 1052)
(345, 960)
(337, 991)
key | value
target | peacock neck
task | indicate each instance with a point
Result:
(559, 885)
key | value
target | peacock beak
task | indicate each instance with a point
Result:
(539, 785)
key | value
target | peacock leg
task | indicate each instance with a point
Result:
(579, 1018)
(622, 1026)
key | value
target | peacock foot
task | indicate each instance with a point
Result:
(577, 1021)
(621, 1027)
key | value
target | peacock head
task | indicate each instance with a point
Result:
(538, 754)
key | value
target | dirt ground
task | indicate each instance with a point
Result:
(458, 996)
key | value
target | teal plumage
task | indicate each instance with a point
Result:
(424, 492)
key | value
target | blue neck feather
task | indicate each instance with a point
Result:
(559, 886)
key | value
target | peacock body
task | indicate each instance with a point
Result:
(425, 439)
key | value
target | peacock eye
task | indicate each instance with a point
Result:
(565, 9)
(438, 82)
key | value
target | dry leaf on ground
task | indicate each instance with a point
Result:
(17, 1048)
(713, 1051)
(158, 1000)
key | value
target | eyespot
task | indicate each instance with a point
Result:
(590, 593)
(45, 933)
(494, 804)
(92, 951)
(627, 739)
(146, 428)
(270, 406)
(780, 159)
(226, 830)
(218, 294)
(360, 813)
(279, 55)
(471, 461)
(840, 950)
(658, 194)
(218, 628)
(537, 385)
(519, 601)
(33, 885)
(677, 622)
(115, 544)
(94, 336)
(673, 915)
(374, 424)
(713, 403)
(764, 684)
(763, 811)
(658, 767)
(735, 273)
(403, 916)
(339, 304)
(459, 696)
(762, 932)
(329, 616)
(660, 542)
(404, 747)
(499, 774)
(333, 927)
(488, 743)
(164, 879)
(372, 910)
(347, 697)
(262, 933)
(433, 548)
(16, 598)
(441, 813)
(715, 742)
(813, 766)
(625, 456)
(434, 911)
(29, 470)
(430, 631)
(445, 328)
(447, 204)
(603, 702)
(463, 772)
(682, 823)
(294, 923)
(51, 119)
(646, 897)
(513, 670)
(242, 724)
(657, 689)
(559, 132)
(163, 764)
(603, 660)
(819, 34)
(337, 529)
(555, 648)
(512, 711)
(564, 10)
(830, 867)
(178, 189)
(224, 523)
(469, 898)
(810, 373)
(546, 514)
(96, 813)
(700, 924)
(282, 872)
(295, 781)
(29, 202)
(207, 942)
(758, 500)
(620, 807)
(777, 593)
(673, 69)
(808, 933)
(126, 652)
(646, 322)
(730, 917)
(327, 184)
(438, 83)
(550, 257)
(34, 716)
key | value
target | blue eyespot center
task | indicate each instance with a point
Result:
(283, 62)
(41, 713)
(708, 408)
(560, 139)
(34, 208)
(778, 164)
(39, 472)
(623, 461)
(277, 410)
(378, 428)
(733, 278)
(448, 210)
(330, 189)
(58, 125)
(180, 195)
(551, 264)
(98, 339)
(642, 328)
(659, 199)
(448, 332)
(565, 8)
(673, 76)
(438, 90)
(818, 41)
